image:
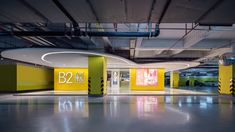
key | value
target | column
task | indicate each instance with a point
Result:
(191, 81)
(97, 76)
(226, 79)
(174, 79)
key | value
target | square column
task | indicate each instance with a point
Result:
(174, 79)
(226, 79)
(97, 76)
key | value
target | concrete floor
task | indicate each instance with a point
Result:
(206, 89)
(167, 91)
(117, 114)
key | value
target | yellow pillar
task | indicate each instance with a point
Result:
(174, 79)
(226, 79)
(97, 76)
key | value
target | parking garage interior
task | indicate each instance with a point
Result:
(117, 65)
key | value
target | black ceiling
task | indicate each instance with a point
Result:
(119, 11)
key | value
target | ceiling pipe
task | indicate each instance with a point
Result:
(67, 14)
(215, 5)
(164, 11)
(81, 33)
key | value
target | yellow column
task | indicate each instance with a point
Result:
(97, 72)
(174, 79)
(226, 79)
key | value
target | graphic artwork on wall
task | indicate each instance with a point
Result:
(115, 78)
(146, 77)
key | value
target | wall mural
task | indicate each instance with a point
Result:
(146, 77)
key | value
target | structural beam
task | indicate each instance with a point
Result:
(164, 11)
(107, 42)
(34, 10)
(191, 39)
(66, 13)
(151, 11)
(215, 5)
(138, 45)
(214, 53)
(162, 48)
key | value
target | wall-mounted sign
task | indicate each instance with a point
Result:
(146, 77)
(71, 79)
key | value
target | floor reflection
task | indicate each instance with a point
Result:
(116, 113)
(72, 104)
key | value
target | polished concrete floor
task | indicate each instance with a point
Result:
(167, 91)
(117, 114)
(205, 89)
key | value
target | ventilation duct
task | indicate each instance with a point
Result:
(77, 33)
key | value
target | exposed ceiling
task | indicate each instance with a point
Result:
(190, 30)
(119, 11)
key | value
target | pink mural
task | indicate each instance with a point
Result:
(146, 77)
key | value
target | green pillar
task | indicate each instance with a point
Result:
(191, 81)
(97, 76)
(174, 79)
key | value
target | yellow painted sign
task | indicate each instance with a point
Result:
(71, 79)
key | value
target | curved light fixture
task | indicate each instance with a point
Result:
(39, 56)
(84, 53)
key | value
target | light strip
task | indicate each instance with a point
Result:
(111, 56)
(86, 53)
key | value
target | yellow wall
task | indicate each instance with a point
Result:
(73, 86)
(19, 77)
(160, 84)
(34, 78)
(174, 79)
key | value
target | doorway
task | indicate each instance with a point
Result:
(118, 81)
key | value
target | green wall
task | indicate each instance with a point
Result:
(8, 78)
(183, 80)
(18, 77)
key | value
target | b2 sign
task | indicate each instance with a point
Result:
(71, 77)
